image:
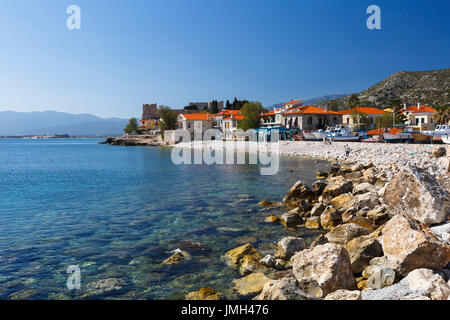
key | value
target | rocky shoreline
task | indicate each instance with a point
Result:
(135, 140)
(386, 230)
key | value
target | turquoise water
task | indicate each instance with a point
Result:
(117, 212)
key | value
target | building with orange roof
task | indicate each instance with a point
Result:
(274, 117)
(349, 115)
(198, 122)
(296, 116)
(420, 116)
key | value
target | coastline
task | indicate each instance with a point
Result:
(385, 215)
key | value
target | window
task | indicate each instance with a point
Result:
(310, 120)
(417, 121)
(423, 120)
(348, 120)
(189, 125)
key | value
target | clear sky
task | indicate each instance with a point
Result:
(174, 51)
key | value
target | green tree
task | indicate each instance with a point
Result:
(214, 107)
(387, 120)
(353, 102)
(228, 105)
(132, 126)
(252, 115)
(168, 118)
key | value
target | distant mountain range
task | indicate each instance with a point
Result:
(58, 123)
(427, 87)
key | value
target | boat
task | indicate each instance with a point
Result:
(320, 134)
(309, 136)
(446, 139)
(420, 138)
(341, 133)
(398, 137)
(441, 130)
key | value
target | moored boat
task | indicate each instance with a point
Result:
(398, 137)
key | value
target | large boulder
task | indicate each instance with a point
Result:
(426, 279)
(291, 219)
(299, 191)
(418, 194)
(330, 219)
(317, 209)
(336, 187)
(245, 257)
(363, 188)
(369, 200)
(250, 285)
(409, 247)
(362, 250)
(284, 289)
(420, 284)
(345, 232)
(440, 230)
(289, 246)
(328, 264)
(344, 201)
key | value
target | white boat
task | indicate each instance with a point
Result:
(309, 136)
(341, 133)
(441, 130)
(398, 137)
(319, 134)
(446, 139)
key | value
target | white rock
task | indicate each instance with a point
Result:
(427, 280)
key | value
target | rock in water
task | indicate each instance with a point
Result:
(291, 219)
(235, 256)
(299, 191)
(289, 246)
(328, 264)
(205, 294)
(284, 289)
(408, 247)
(250, 285)
(245, 257)
(418, 194)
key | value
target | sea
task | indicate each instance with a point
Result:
(114, 214)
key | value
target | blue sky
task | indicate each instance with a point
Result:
(171, 52)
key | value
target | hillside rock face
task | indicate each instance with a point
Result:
(426, 87)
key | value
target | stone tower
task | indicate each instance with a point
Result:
(150, 112)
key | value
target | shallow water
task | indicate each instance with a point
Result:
(117, 212)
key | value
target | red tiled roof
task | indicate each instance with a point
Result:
(310, 110)
(422, 109)
(227, 112)
(362, 110)
(197, 116)
(270, 113)
(236, 117)
(292, 102)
